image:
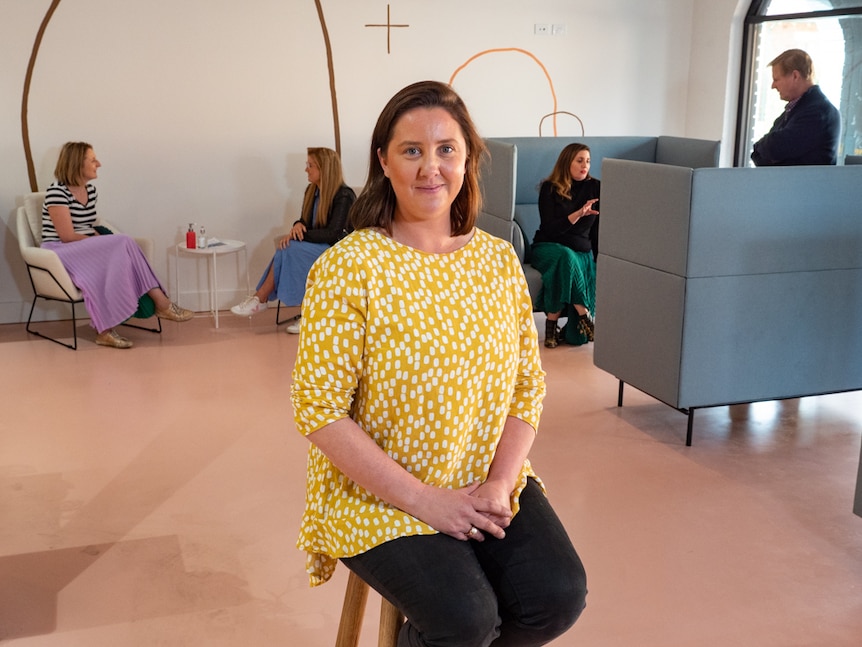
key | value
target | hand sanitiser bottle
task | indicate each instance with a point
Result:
(202, 238)
(190, 237)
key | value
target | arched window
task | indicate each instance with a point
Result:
(831, 32)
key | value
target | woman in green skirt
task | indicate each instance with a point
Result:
(566, 245)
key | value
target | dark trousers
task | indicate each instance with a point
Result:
(524, 590)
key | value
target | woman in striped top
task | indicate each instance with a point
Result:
(111, 271)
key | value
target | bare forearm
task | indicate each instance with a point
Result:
(72, 237)
(453, 512)
(512, 451)
(62, 221)
(353, 452)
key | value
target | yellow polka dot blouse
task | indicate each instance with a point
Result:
(429, 354)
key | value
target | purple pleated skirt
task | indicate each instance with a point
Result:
(112, 274)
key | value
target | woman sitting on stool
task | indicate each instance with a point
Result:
(323, 223)
(418, 383)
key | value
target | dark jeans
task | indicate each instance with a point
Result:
(523, 590)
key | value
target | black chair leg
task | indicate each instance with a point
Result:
(278, 320)
(157, 330)
(29, 329)
(74, 345)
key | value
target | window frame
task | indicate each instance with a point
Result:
(753, 19)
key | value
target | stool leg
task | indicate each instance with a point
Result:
(352, 612)
(390, 624)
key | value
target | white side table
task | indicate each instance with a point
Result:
(211, 253)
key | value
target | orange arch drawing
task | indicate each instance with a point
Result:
(520, 51)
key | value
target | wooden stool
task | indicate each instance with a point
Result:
(353, 610)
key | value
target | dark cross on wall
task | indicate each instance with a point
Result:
(389, 25)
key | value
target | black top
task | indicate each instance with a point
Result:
(336, 224)
(554, 209)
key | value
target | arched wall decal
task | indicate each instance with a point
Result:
(561, 112)
(520, 51)
(25, 100)
(330, 65)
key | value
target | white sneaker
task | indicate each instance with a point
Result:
(293, 329)
(250, 306)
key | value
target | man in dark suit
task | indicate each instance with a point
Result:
(808, 130)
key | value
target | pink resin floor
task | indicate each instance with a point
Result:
(151, 497)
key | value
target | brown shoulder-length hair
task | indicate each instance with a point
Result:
(70, 164)
(375, 206)
(331, 179)
(561, 176)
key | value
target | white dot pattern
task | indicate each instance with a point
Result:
(429, 354)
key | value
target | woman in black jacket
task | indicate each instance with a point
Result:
(323, 223)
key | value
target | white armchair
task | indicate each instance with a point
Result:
(48, 277)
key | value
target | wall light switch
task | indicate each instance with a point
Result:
(558, 30)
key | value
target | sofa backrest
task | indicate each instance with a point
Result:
(732, 221)
(518, 165)
(537, 156)
(33, 207)
(686, 151)
(645, 211)
(794, 219)
(498, 193)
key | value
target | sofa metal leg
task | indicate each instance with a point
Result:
(690, 413)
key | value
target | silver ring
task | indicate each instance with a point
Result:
(472, 532)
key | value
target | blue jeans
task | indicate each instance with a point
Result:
(523, 590)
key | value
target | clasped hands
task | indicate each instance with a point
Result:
(483, 506)
(297, 232)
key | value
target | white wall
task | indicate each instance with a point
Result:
(201, 110)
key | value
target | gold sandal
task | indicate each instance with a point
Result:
(112, 339)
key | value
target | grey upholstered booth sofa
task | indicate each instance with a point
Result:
(517, 166)
(718, 286)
